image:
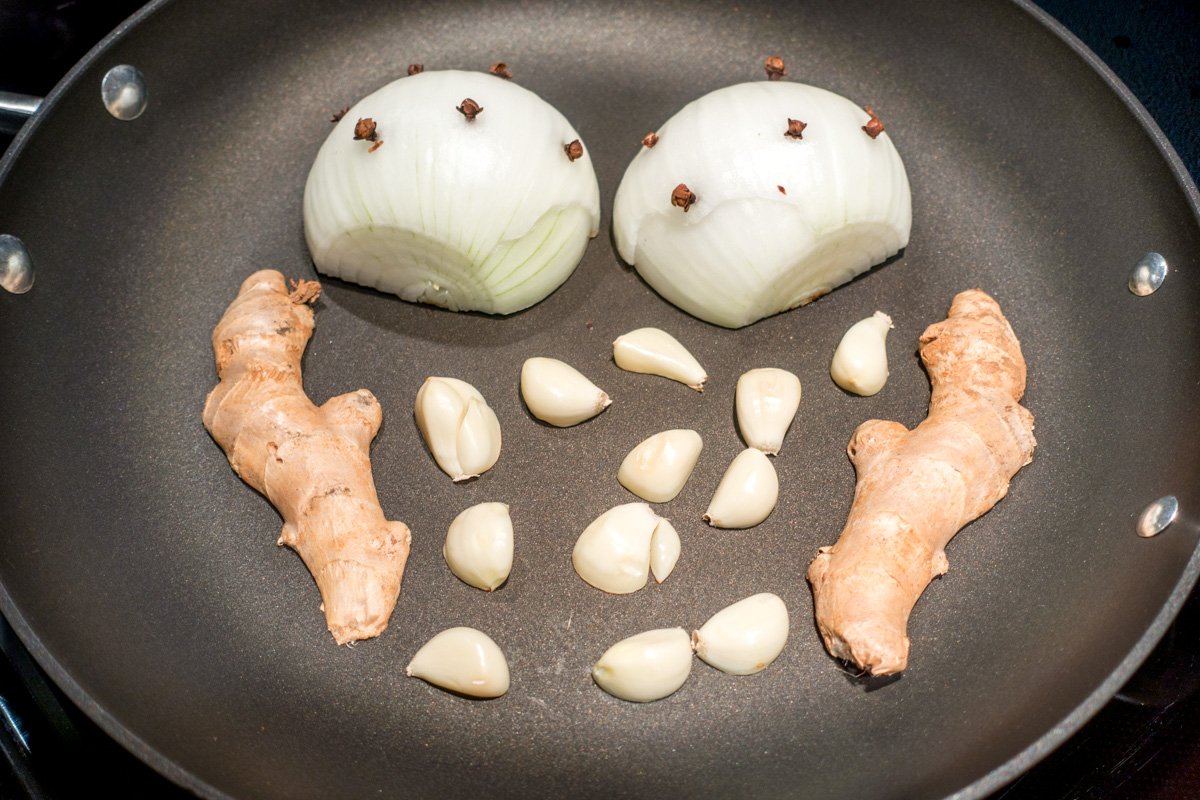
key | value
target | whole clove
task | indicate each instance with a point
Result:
(366, 130)
(775, 68)
(574, 150)
(682, 197)
(874, 126)
(470, 109)
(795, 129)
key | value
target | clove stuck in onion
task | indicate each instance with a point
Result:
(470, 203)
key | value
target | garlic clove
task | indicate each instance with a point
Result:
(478, 438)
(664, 550)
(766, 400)
(860, 360)
(438, 409)
(645, 667)
(746, 637)
(657, 469)
(462, 660)
(479, 546)
(656, 352)
(557, 393)
(459, 427)
(746, 494)
(613, 553)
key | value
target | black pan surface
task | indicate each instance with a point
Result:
(145, 577)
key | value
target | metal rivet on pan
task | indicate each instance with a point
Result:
(1148, 274)
(123, 91)
(1157, 516)
(16, 270)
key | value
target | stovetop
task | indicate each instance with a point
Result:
(1144, 744)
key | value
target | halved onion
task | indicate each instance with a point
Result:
(489, 214)
(777, 220)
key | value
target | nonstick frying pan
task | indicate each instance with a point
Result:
(145, 577)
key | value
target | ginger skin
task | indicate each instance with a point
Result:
(312, 463)
(917, 488)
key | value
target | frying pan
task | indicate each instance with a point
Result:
(144, 576)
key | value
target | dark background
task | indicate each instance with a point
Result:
(1144, 744)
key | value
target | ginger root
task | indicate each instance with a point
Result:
(312, 463)
(917, 488)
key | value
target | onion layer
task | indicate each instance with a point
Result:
(489, 214)
(778, 220)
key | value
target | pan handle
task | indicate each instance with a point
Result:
(15, 109)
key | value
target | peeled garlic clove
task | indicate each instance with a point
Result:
(860, 361)
(746, 494)
(657, 469)
(479, 546)
(766, 401)
(664, 550)
(462, 660)
(459, 427)
(746, 637)
(656, 352)
(613, 553)
(559, 394)
(645, 667)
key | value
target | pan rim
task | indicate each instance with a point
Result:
(1015, 766)
(68, 82)
(1182, 176)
